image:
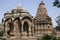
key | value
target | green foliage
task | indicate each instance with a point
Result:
(54, 38)
(1, 33)
(57, 28)
(56, 3)
(47, 37)
(58, 38)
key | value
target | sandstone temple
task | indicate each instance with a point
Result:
(18, 24)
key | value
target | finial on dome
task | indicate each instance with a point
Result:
(19, 4)
(42, 3)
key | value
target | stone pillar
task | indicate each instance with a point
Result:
(22, 29)
(5, 34)
(35, 29)
(29, 30)
(14, 29)
(32, 29)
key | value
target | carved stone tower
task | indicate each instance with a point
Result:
(42, 21)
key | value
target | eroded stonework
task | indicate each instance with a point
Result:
(20, 25)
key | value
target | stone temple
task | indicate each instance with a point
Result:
(20, 25)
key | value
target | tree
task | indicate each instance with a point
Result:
(56, 3)
(58, 20)
(46, 37)
(58, 23)
(57, 28)
(58, 38)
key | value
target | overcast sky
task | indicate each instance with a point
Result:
(31, 6)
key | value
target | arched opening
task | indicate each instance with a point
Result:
(7, 20)
(17, 22)
(10, 27)
(19, 26)
(25, 27)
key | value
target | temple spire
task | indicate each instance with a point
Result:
(42, 3)
(41, 12)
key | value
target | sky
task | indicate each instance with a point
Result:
(31, 6)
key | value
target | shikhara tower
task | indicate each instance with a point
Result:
(42, 21)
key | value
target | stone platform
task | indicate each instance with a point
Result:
(22, 38)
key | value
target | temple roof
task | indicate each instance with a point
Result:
(19, 8)
(41, 15)
(7, 12)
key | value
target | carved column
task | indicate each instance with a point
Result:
(22, 29)
(32, 29)
(5, 34)
(29, 28)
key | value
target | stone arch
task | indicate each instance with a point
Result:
(18, 23)
(9, 25)
(27, 17)
(9, 28)
(17, 18)
(8, 19)
(25, 27)
(28, 20)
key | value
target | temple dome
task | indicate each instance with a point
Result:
(19, 9)
(7, 12)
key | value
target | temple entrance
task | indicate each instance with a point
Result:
(25, 27)
(17, 25)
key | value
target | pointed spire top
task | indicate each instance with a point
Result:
(42, 3)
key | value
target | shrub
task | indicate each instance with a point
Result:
(1, 33)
